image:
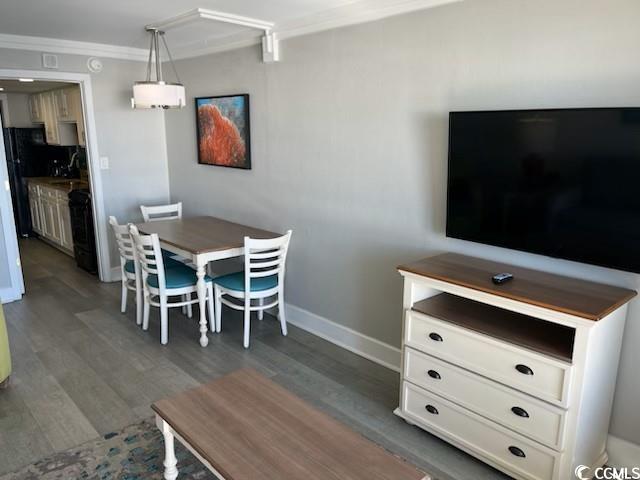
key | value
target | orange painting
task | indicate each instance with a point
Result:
(223, 131)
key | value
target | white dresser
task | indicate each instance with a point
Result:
(520, 375)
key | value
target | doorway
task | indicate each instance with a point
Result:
(52, 190)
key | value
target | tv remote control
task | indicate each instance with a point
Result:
(501, 278)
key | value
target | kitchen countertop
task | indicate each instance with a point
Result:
(59, 183)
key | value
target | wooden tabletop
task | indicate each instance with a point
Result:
(247, 427)
(203, 234)
(589, 300)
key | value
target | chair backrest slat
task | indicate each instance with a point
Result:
(173, 211)
(265, 257)
(123, 239)
(149, 255)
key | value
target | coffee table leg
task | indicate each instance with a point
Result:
(170, 461)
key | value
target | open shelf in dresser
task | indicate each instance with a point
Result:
(538, 335)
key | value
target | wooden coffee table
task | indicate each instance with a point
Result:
(244, 426)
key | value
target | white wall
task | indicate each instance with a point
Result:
(349, 141)
(133, 140)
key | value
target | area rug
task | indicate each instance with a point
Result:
(134, 453)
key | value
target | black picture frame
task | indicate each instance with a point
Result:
(241, 122)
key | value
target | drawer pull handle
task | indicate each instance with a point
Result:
(523, 369)
(521, 412)
(435, 337)
(431, 409)
(517, 452)
(434, 374)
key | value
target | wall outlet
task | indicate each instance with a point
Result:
(104, 163)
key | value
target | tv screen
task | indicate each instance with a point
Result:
(562, 183)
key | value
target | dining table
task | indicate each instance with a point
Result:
(202, 240)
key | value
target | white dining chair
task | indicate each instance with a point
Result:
(172, 211)
(156, 213)
(263, 277)
(160, 283)
(129, 269)
(130, 274)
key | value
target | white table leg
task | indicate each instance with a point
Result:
(202, 299)
(170, 461)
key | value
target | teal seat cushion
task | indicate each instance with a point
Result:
(172, 263)
(129, 266)
(177, 277)
(168, 263)
(235, 281)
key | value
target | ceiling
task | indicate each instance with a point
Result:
(15, 86)
(119, 24)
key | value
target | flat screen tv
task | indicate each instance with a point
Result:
(562, 183)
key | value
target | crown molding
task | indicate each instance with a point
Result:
(359, 11)
(56, 45)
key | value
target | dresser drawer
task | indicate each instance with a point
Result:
(489, 441)
(530, 372)
(526, 415)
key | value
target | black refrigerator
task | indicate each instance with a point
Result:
(25, 158)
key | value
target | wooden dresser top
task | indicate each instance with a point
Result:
(573, 296)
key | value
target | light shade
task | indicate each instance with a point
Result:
(158, 95)
(155, 92)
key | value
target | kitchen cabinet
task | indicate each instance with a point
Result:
(34, 207)
(74, 99)
(53, 219)
(50, 215)
(66, 238)
(64, 113)
(35, 108)
(55, 110)
(49, 116)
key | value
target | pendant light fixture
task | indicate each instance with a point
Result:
(158, 93)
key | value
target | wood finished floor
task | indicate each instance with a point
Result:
(82, 369)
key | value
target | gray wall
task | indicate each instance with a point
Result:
(349, 139)
(134, 140)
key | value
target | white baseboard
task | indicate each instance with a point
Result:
(9, 294)
(622, 453)
(114, 274)
(356, 342)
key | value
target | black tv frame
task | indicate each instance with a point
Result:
(448, 233)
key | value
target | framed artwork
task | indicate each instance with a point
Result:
(222, 124)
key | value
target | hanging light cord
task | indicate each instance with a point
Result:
(173, 67)
(150, 59)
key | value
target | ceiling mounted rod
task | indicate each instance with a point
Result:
(206, 14)
(270, 43)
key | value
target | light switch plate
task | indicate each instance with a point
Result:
(104, 163)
